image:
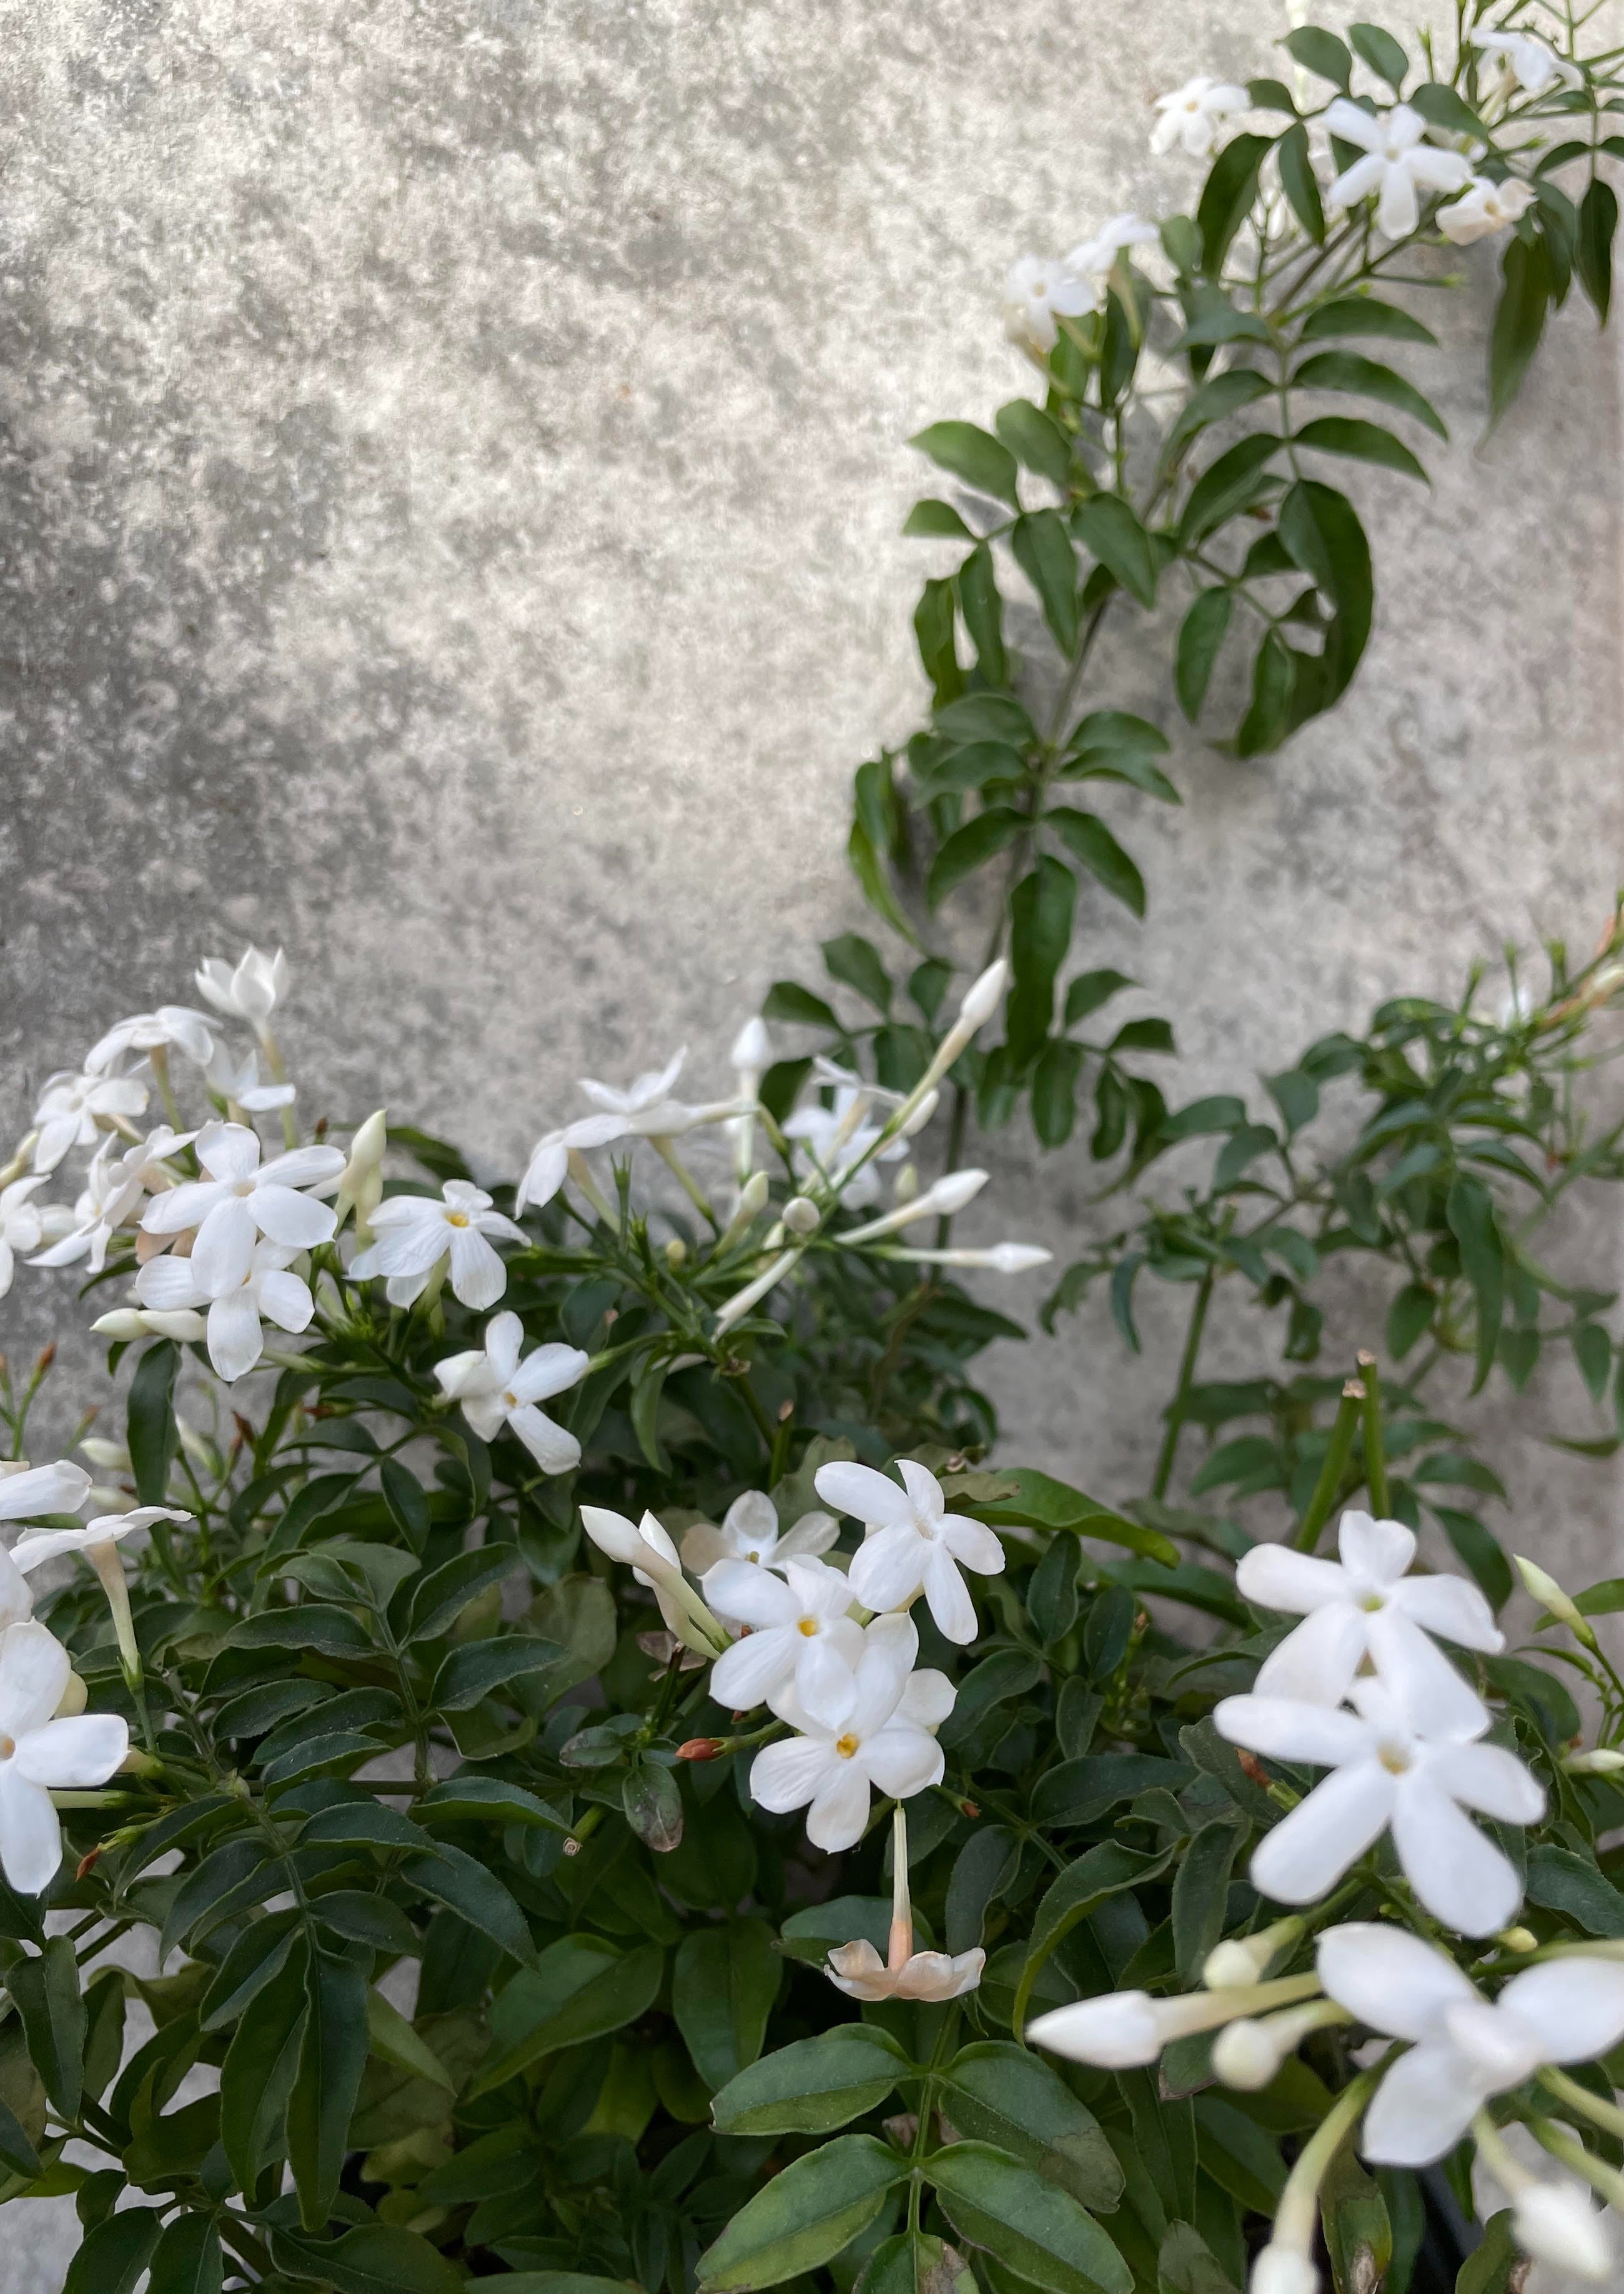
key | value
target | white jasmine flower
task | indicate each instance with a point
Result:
(1365, 1605)
(801, 1637)
(28, 1492)
(1485, 208)
(172, 1027)
(1466, 2047)
(235, 1306)
(112, 1194)
(237, 1082)
(21, 1227)
(749, 1531)
(883, 1740)
(836, 1139)
(1039, 290)
(242, 1199)
(89, 1538)
(40, 1755)
(1092, 261)
(1399, 165)
(646, 1109)
(68, 1109)
(1193, 114)
(549, 1164)
(915, 1544)
(858, 1970)
(998, 1258)
(1389, 1771)
(414, 1233)
(1534, 65)
(251, 992)
(646, 1550)
(1558, 2223)
(495, 1388)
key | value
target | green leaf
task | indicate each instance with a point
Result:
(1215, 400)
(1357, 2230)
(581, 1988)
(391, 2037)
(1362, 314)
(1041, 911)
(1351, 371)
(813, 2085)
(1361, 442)
(1226, 486)
(1519, 319)
(1036, 439)
(478, 1669)
(256, 1958)
(1023, 1498)
(150, 1427)
(1043, 550)
(788, 1001)
(16, 2151)
(1088, 840)
(312, 1627)
(408, 1505)
(491, 1798)
(439, 1598)
(982, 608)
(804, 2216)
(652, 1804)
(914, 2263)
(375, 2257)
(1109, 527)
(997, 2093)
(1053, 1092)
(1226, 197)
(974, 455)
(971, 847)
(986, 717)
(463, 1885)
(45, 1989)
(1187, 2265)
(1203, 1118)
(1300, 183)
(1201, 636)
(856, 962)
(1201, 1889)
(1037, 2229)
(333, 2056)
(1383, 53)
(1320, 52)
(1443, 107)
(114, 2254)
(187, 2258)
(1469, 1210)
(1499, 2265)
(1089, 990)
(1479, 1549)
(934, 520)
(1081, 1888)
(1598, 223)
(1564, 1882)
(258, 2073)
(724, 1983)
(1321, 530)
(1267, 721)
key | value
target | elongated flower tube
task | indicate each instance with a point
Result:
(998, 1258)
(942, 1200)
(97, 1541)
(1122, 2030)
(858, 1970)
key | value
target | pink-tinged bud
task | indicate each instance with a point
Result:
(701, 1748)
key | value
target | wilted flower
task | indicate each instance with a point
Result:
(69, 1107)
(916, 1545)
(1397, 165)
(40, 1755)
(413, 1233)
(885, 1740)
(494, 1388)
(242, 1199)
(251, 992)
(1193, 115)
(1039, 290)
(1483, 209)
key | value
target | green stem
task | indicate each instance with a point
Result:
(1179, 1403)
(1604, 2115)
(1375, 1450)
(1335, 1465)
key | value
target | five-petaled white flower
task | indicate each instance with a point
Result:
(249, 991)
(1093, 260)
(40, 1755)
(264, 1289)
(23, 1227)
(414, 1233)
(237, 1081)
(495, 1388)
(1193, 114)
(883, 1740)
(28, 1493)
(1039, 291)
(801, 1636)
(915, 1545)
(242, 1199)
(1389, 1772)
(173, 1026)
(1397, 166)
(1466, 2047)
(68, 1109)
(1532, 63)
(113, 1192)
(835, 1140)
(1484, 208)
(1365, 1605)
(645, 1109)
(749, 1531)
(90, 1538)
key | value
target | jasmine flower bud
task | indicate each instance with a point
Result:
(1551, 1598)
(802, 1215)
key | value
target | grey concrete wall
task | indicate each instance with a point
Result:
(451, 468)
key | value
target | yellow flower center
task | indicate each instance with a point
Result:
(512, 1401)
(8, 1746)
(808, 1625)
(845, 1745)
(456, 1218)
(1395, 1759)
(1373, 1601)
(752, 1556)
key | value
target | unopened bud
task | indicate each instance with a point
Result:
(124, 1322)
(918, 1117)
(676, 1254)
(1599, 1763)
(1246, 2055)
(1253, 1770)
(87, 1865)
(73, 1699)
(1555, 2223)
(360, 1183)
(752, 1052)
(984, 996)
(1518, 1939)
(1241, 1960)
(701, 1748)
(112, 1457)
(802, 1215)
(906, 1185)
(1283, 2270)
(1551, 1598)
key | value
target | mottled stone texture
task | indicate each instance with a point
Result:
(453, 466)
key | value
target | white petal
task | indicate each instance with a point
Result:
(554, 1448)
(224, 1251)
(787, 1775)
(1315, 1663)
(751, 1525)
(611, 1532)
(752, 1594)
(30, 1835)
(869, 1497)
(903, 1760)
(825, 1683)
(1438, 171)
(1458, 1873)
(168, 1284)
(228, 1152)
(34, 1669)
(235, 1341)
(748, 1672)
(59, 1488)
(1423, 2107)
(1450, 1607)
(933, 1975)
(889, 1569)
(1275, 1577)
(923, 1488)
(465, 1373)
(974, 1544)
(1489, 1780)
(1437, 1701)
(1351, 125)
(478, 1275)
(73, 1755)
(703, 1550)
(1575, 2005)
(1363, 177)
(286, 1299)
(303, 1166)
(813, 1533)
(1398, 209)
(818, 1591)
(927, 1700)
(550, 1370)
(889, 1647)
(548, 1168)
(948, 1597)
(837, 1817)
(858, 1970)
(1291, 1730)
(16, 1600)
(504, 1335)
(1118, 2031)
(1390, 1979)
(1375, 1552)
(297, 1222)
(180, 1206)
(486, 1413)
(1302, 1858)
